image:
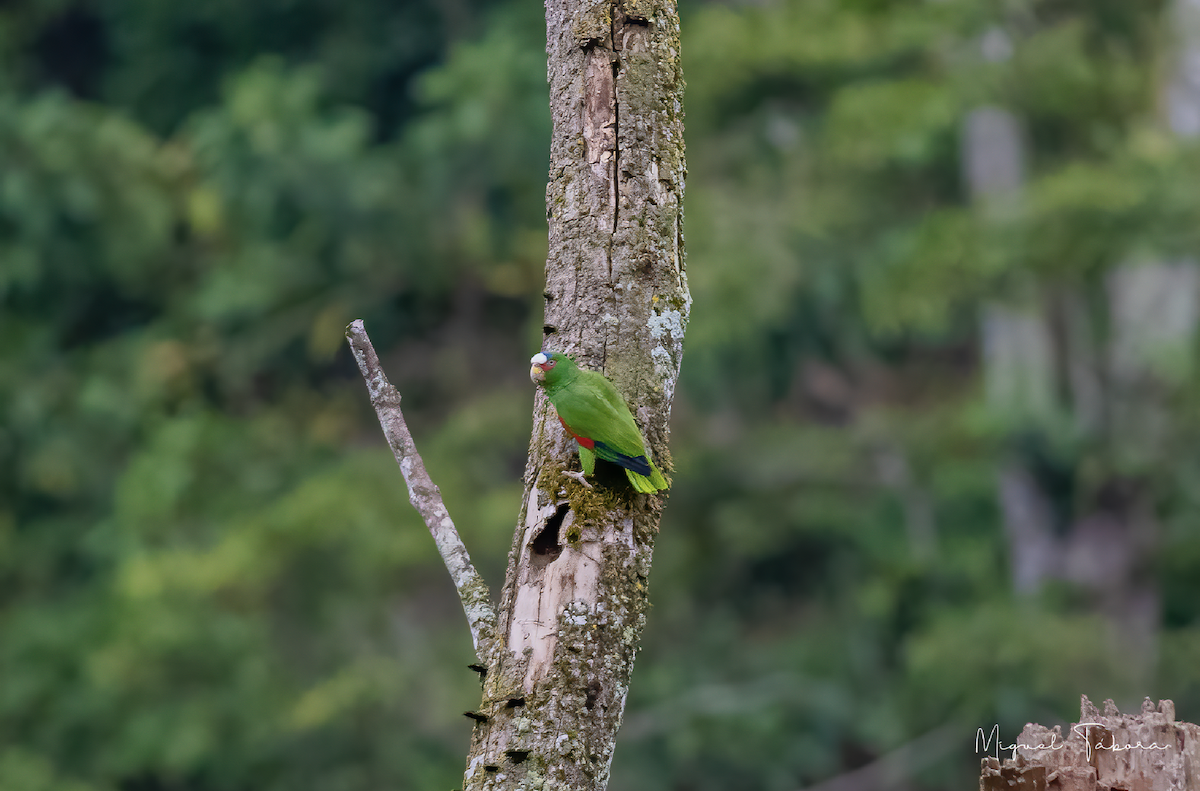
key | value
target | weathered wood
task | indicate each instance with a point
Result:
(1148, 751)
(424, 495)
(575, 593)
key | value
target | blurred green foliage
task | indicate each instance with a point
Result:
(210, 577)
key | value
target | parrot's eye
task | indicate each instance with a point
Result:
(549, 364)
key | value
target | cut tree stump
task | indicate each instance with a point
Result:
(1112, 751)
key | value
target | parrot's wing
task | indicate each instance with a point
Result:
(587, 460)
(593, 409)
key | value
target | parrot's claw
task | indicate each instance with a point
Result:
(579, 476)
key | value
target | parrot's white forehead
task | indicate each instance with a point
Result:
(539, 359)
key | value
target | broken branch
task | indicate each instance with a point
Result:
(425, 496)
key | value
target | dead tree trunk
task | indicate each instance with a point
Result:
(1149, 751)
(557, 655)
(616, 298)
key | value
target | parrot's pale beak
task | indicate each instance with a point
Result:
(536, 374)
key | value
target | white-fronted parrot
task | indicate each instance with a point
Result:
(593, 412)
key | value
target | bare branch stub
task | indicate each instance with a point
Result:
(425, 496)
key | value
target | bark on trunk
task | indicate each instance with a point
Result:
(575, 593)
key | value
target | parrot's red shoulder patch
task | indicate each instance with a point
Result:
(584, 441)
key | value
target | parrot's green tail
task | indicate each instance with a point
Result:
(647, 485)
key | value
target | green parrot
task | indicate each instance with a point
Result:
(593, 412)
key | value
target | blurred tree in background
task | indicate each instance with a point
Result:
(210, 577)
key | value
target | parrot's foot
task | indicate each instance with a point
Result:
(579, 476)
